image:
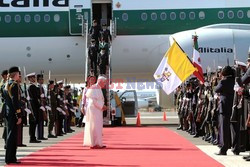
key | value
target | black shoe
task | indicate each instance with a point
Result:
(5, 147)
(22, 145)
(51, 136)
(35, 141)
(196, 136)
(236, 152)
(220, 153)
(246, 157)
(179, 128)
(60, 135)
(42, 138)
(15, 162)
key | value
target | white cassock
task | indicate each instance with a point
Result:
(94, 117)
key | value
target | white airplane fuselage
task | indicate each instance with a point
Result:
(48, 36)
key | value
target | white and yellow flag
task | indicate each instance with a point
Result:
(174, 68)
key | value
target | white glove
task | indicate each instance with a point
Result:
(27, 110)
(48, 108)
(59, 109)
(64, 113)
(236, 87)
(42, 108)
(48, 97)
(58, 96)
(216, 96)
(42, 96)
(28, 98)
(72, 110)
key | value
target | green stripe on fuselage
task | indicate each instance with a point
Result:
(41, 28)
(136, 26)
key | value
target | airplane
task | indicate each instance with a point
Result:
(43, 35)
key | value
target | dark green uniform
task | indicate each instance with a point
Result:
(13, 112)
(52, 102)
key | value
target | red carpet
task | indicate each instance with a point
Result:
(130, 147)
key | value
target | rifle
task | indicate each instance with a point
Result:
(234, 116)
(26, 93)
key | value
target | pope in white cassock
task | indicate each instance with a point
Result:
(94, 115)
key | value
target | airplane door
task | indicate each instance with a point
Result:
(79, 12)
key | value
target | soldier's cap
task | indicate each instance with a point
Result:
(240, 63)
(67, 87)
(92, 40)
(13, 69)
(39, 76)
(4, 72)
(51, 82)
(33, 74)
(60, 82)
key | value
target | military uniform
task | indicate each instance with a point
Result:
(3, 105)
(13, 113)
(52, 102)
(42, 114)
(102, 62)
(34, 101)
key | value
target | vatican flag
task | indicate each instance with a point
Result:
(174, 68)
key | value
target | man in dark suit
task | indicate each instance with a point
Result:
(225, 89)
(13, 114)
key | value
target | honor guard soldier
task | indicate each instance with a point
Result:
(60, 108)
(69, 105)
(13, 114)
(23, 113)
(245, 91)
(52, 104)
(3, 105)
(42, 116)
(34, 101)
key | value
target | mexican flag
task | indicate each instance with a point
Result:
(197, 60)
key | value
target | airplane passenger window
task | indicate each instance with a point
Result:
(17, 18)
(240, 14)
(153, 16)
(191, 15)
(202, 15)
(230, 14)
(125, 17)
(27, 18)
(221, 15)
(172, 16)
(46, 18)
(163, 16)
(248, 13)
(56, 17)
(144, 16)
(7, 19)
(37, 18)
(182, 16)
